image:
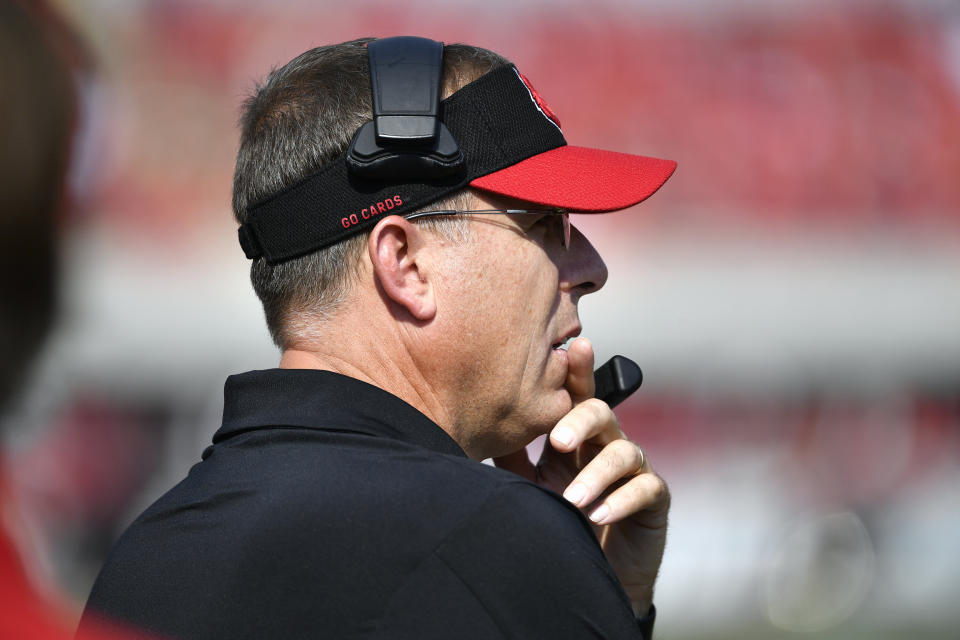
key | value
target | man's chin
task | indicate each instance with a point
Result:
(539, 418)
(553, 408)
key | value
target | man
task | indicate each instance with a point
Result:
(421, 334)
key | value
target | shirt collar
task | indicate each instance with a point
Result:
(324, 400)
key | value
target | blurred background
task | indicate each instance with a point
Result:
(792, 294)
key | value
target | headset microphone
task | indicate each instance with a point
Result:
(616, 379)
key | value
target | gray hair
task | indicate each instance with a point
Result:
(301, 119)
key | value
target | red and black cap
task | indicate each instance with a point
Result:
(512, 146)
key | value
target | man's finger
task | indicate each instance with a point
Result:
(591, 420)
(580, 370)
(646, 492)
(618, 460)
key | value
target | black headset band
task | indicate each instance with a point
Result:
(494, 119)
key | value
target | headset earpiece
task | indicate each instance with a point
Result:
(405, 141)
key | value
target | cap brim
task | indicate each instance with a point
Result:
(580, 179)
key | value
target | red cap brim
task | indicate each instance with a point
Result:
(580, 179)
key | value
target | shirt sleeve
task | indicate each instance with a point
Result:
(524, 565)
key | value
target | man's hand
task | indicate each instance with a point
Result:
(588, 459)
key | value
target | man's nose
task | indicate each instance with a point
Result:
(582, 269)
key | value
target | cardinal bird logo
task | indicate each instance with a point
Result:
(541, 104)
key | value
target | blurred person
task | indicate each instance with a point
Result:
(38, 114)
(418, 271)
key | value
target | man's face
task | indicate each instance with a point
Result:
(507, 302)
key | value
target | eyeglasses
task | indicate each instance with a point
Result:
(552, 214)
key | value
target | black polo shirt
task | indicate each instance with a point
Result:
(329, 508)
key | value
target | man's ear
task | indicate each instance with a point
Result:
(396, 253)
